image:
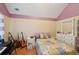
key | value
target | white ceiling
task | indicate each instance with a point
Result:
(51, 10)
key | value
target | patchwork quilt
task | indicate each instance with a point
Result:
(54, 47)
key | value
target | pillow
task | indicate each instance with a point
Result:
(49, 36)
(45, 36)
(41, 36)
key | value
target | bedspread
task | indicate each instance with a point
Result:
(54, 47)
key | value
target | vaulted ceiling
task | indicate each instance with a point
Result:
(49, 10)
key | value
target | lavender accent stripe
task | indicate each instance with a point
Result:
(3, 9)
(62, 12)
(31, 17)
(70, 11)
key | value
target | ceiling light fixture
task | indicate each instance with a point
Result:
(16, 9)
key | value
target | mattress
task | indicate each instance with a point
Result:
(53, 47)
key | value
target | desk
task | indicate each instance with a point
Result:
(2, 49)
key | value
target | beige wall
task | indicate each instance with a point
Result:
(58, 26)
(29, 26)
(6, 27)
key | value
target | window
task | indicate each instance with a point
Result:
(1, 27)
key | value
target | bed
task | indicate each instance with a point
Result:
(52, 46)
